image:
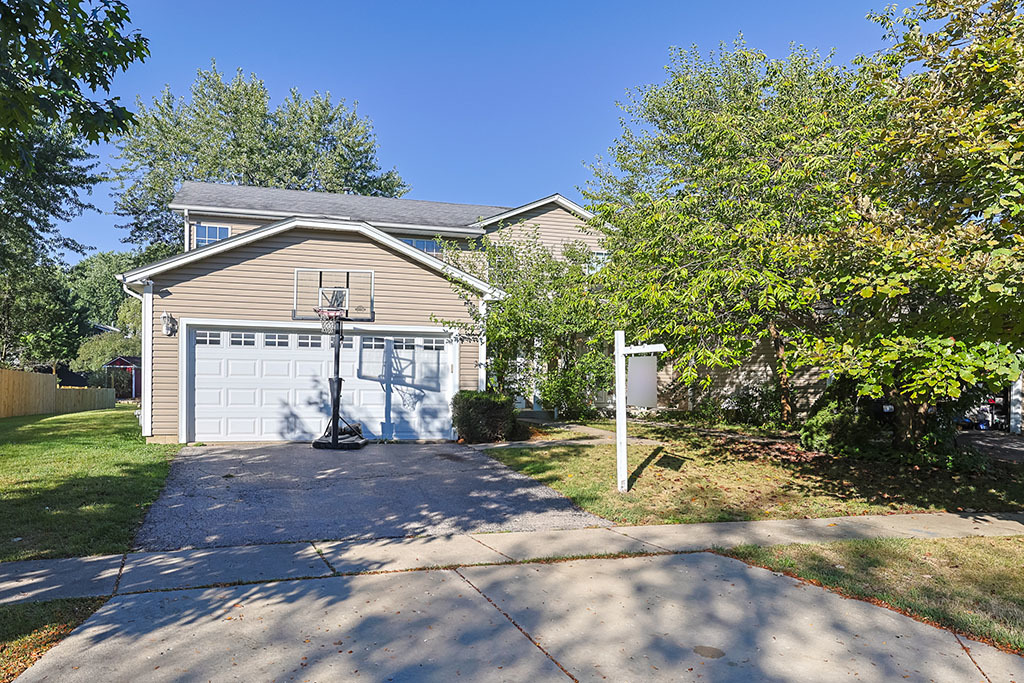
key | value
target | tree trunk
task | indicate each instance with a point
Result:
(782, 368)
(909, 423)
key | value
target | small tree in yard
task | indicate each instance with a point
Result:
(928, 278)
(549, 334)
(718, 171)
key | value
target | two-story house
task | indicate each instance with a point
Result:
(231, 346)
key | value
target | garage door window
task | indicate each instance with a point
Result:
(433, 344)
(206, 338)
(373, 343)
(272, 339)
(309, 341)
(243, 339)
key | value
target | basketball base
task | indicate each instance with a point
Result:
(348, 442)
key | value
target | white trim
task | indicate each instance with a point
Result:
(188, 231)
(427, 229)
(271, 215)
(481, 359)
(567, 204)
(364, 229)
(246, 213)
(186, 327)
(147, 360)
(1017, 405)
(454, 381)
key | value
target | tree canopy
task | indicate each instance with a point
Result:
(57, 56)
(717, 171)
(227, 132)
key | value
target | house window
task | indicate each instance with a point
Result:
(429, 246)
(309, 341)
(373, 343)
(243, 339)
(275, 339)
(598, 261)
(433, 344)
(207, 338)
(404, 344)
(208, 234)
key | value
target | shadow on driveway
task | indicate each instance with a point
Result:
(269, 493)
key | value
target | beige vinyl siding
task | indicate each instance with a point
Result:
(255, 282)
(469, 359)
(555, 228)
(807, 383)
(237, 225)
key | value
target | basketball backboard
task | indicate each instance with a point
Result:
(349, 290)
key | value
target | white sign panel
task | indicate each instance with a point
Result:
(642, 382)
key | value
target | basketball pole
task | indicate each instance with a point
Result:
(336, 384)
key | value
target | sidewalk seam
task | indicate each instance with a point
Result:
(520, 628)
(967, 651)
(645, 542)
(120, 571)
(320, 553)
(512, 559)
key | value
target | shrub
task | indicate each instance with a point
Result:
(481, 416)
(837, 426)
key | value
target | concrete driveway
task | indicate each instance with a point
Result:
(267, 493)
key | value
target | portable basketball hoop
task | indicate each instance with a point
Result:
(333, 312)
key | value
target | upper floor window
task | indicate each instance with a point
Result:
(208, 234)
(429, 246)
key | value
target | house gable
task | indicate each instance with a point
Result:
(553, 223)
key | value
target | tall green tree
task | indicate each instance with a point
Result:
(926, 280)
(227, 132)
(40, 322)
(549, 335)
(717, 171)
(93, 282)
(56, 58)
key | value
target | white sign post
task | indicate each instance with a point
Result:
(640, 391)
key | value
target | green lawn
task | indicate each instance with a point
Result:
(28, 630)
(75, 484)
(695, 478)
(972, 585)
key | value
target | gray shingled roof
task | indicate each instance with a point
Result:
(355, 207)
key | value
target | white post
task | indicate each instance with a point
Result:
(620, 411)
(1017, 405)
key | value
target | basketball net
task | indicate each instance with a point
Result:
(330, 319)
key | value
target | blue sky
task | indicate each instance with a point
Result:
(478, 102)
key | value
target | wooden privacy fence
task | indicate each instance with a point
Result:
(33, 393)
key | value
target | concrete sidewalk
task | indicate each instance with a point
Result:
(671, 617)
(182, 569)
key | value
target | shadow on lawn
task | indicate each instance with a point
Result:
(781, 473)
(78, 515)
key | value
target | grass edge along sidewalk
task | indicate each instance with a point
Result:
(29, 629)
(76, 484)
(972, 586)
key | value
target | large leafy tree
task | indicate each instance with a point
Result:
(56, 57)
(717, 172)
(927, 279)
(40, 322)
(549, 335)
(93, 281)
(227, 132)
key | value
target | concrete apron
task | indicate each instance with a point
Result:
(661, 618)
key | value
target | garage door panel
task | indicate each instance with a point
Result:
(276, 368)
(206, 367)
(241, 368)
(209, 397)
(241, 397)
(282, 393)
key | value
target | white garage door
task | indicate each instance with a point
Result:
(272, 385)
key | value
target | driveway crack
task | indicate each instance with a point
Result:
(520, 628)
